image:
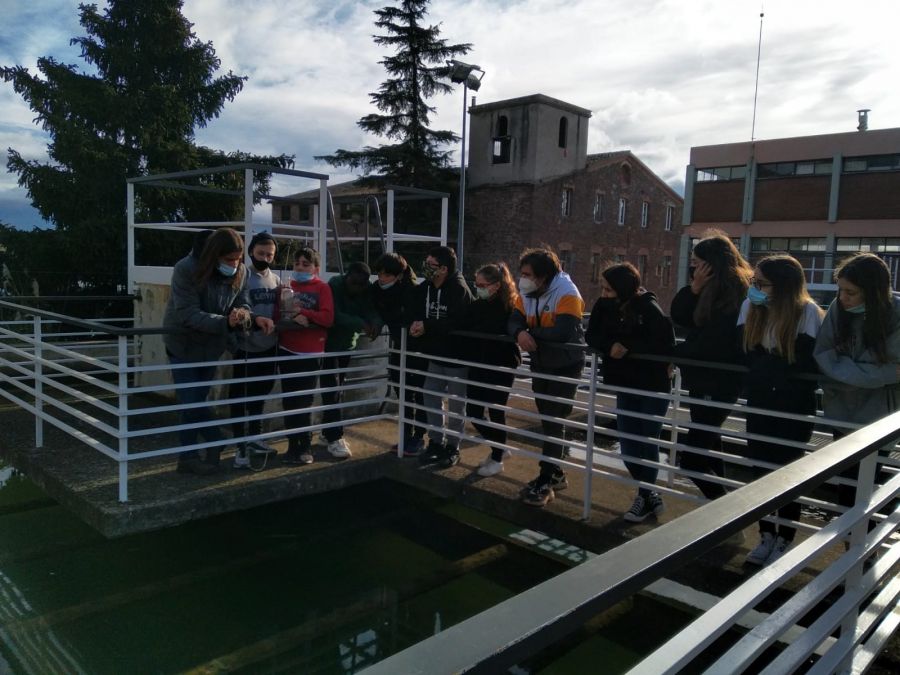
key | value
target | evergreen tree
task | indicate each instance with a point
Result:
(417, 72)
(151, 83)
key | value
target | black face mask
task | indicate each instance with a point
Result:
(260, 265)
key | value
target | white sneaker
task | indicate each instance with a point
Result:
(261, 448)
(778, 549)
(490, 467)
(339, 449)
(306, 457)
(490, 458)
(760, 555)
(241, 459)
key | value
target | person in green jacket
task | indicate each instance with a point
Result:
(354, 315)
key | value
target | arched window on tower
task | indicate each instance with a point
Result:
(563, 132)
(501, 142)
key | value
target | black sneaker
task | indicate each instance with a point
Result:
(450, 458)
(540, 493)
(432, 454)
(557, 480)
(640, 509)
(296, 456)
(655, 502)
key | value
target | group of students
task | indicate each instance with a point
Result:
(757, 328)
(768, 341)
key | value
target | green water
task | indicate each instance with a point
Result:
(324, 584)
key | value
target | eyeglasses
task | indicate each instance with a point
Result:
(759, 285)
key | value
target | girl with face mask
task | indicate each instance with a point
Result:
(208, 306)
(707, 309)
(858, 349)
(496, 295)
(627, 319)
(778, 324)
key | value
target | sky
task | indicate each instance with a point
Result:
(659, 76)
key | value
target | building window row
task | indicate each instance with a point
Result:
(872, 163)
(868, 244)
(817, 167)
(760, 244)
(720, 173)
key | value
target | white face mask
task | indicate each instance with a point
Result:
(527, 286)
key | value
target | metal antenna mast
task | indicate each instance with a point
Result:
(756, 87)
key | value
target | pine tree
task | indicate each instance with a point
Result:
(149, 84)
(417, 72)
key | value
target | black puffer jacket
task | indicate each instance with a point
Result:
(491, 317)
(642, 328)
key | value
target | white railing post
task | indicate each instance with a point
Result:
(865, 485)
(38, 385)
(401, 393)
(445, 207)
(129, 205)
(676, 404)
(589, 439)
(123, 417)
(390, 221)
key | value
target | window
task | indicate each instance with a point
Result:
(285, 212)
(598, 207)
(670, 218)
(645, 213)
(563, 132)
(642, 265)
(501, 142)
(794, 244)
(620, 257)
(666, 270)
(872, 163)
(595, 268)
(868, 244)
(720, 173)
(566, 206)
(623, 205)
(567, 260)
(818, 167)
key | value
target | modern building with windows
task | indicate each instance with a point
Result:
(818, 198)
(531, 182)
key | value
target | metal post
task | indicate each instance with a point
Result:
(865, 485)
(390, 221)
(401, 393)
(38, 385)
(129, 199)
(676, 404)
(123, 418)
(445, 208)
(248, 211)
(589, 440)
(462, 182)
(321, 237)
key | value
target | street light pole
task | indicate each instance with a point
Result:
(465, 74)
(462, 181)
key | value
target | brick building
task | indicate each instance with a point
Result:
(531, 182)
(817, 197)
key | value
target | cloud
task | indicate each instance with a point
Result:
(660, 76)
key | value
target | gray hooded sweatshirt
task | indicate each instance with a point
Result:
(857, 387)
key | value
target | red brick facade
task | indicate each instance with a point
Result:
(502, 220)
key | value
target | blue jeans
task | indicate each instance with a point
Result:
(648, 405)
(203, 375)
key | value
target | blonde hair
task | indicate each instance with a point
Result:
(788, 298)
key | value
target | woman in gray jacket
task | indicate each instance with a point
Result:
(858, 348)
(208, 303)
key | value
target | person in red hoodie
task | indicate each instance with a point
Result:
(306, 316)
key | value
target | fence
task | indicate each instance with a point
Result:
(81, 379)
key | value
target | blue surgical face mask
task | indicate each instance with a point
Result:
(859, 309)
(302, 277)
(757, 297)
(227, 270)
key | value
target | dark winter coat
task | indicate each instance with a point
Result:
(642, 328)
(491, 317)
(442, 311)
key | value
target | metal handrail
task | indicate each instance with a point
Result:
(500, 637)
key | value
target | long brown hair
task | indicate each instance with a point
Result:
(787, 301)
(498, 272)
(731, 274)
(872, 276)
(220, 243)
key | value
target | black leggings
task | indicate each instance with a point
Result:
(706, 440)
(478, 395)
(251, 367)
